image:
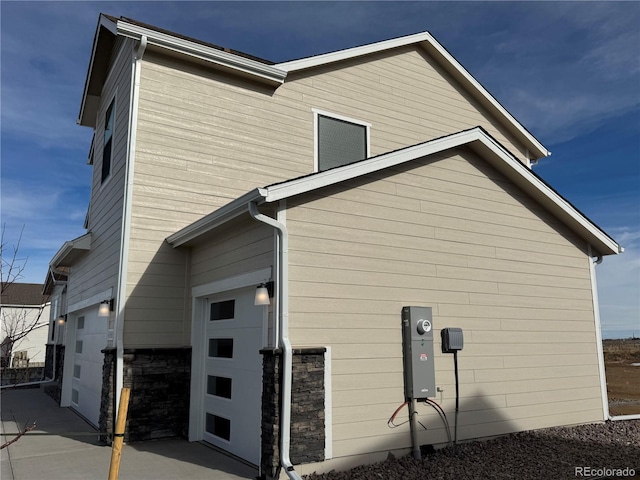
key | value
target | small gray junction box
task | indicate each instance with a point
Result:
(418, 361)
(452, 339)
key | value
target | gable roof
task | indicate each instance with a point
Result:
(24, 294)
(275, 74)
(444, 59)
(476, 138)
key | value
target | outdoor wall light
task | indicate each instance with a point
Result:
(62, 319)
(263, 293)
(105, 309)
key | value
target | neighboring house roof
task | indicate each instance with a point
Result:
(275, 74)
(23, 294)
(476, 138)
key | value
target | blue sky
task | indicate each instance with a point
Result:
(570, 72)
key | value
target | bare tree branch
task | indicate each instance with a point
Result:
(20, 434)
(11, 267)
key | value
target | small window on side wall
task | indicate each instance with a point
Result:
(339, 141)
(108, 141)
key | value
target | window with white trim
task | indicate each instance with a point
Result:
(108, 141)
(339, 140)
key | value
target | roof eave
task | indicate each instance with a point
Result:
(491, 150)
(346, 54)
(540, 191)
(216, 218)
(70, 251)
(101, 52)
(476, 138)
(88, 105)
(246, 66)
(536, 148)
(51, 281)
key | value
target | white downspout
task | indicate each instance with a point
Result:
(126, 218)
(596, 316)
(282, 287)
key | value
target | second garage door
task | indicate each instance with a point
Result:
(86, 384)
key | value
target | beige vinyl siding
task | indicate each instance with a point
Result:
(244, 245)
(403, 93)
(205, 138)
(199, 146)
(98, 270)
(454, 234)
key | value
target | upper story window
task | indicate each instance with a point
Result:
(108, 141)
(339, 140)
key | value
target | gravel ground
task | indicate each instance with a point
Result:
(551, 453)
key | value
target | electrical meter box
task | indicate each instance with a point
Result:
(417, 343)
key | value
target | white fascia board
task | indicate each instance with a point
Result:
(476, 138)
(499, 157)
(525, 179)
(216, 218)
(236, 62)
(91, 301)
(325, 58)
(353, 170)
(427, 40)
(450, 59)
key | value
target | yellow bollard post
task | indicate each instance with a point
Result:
(118, 434)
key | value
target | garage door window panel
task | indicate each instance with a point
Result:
(218, 426)
(221, 347)
(224, 310)
(219, 386)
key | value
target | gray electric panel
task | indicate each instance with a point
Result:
(417, 342)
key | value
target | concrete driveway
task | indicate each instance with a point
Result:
(64, 447)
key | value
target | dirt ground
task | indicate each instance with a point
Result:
(623, 379)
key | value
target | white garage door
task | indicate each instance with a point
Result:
(86, 384)
(233, 373)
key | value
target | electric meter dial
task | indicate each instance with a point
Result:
(424, 326)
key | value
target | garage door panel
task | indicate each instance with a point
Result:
(86, 384)
(233, 368)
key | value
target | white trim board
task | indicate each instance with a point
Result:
(91, 301)
(316, 132)
(231, 283)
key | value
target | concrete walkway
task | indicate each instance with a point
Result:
(64, 447)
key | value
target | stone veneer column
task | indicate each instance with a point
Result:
(307, 408)
(159, 379)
